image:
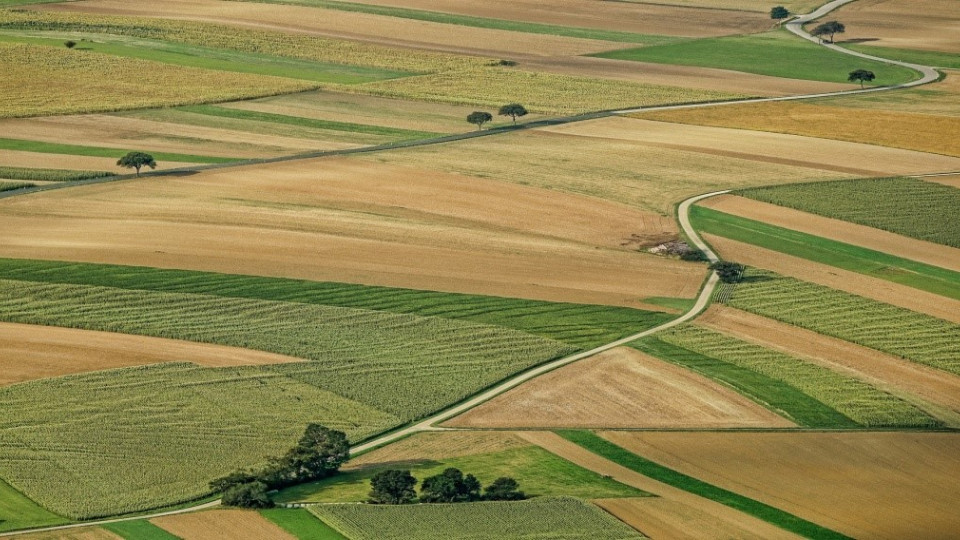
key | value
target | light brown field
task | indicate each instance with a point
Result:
(936, 391)
(810, 152)
(912, 131)
(620, 388)
(679, 508)
(841, 231)
(866, 485)
(40, 160)
(83, 533)
(797, 6)
(30, 352)
(657, 517)
(953, 180)
(439, 445)
(910, 24)
(642, 18)
(836, 278)
(941, 98)
(222, 525)
(349, 220)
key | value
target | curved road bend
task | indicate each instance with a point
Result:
(795, 26)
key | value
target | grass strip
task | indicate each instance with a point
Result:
(19, 512)
(908, 206)
(10, 186)
(480, 22)
(777, 54)
(49, 175)
(923, 58)
(94, 151)
(226, 112)
(776, 395)
(830, 252)
(580, 325)
(774, 516)
(302, 524)
(139, 529)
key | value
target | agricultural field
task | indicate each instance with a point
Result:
(221, 524)
(554, 517)
(301, 524)
(925, 25)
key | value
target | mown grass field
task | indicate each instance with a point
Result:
(857, 400)
(139, 529)
(914, 336)
(94, 151)
(301, 524)
(19, 512)
(656, 471)
(566, 518)
(923, 58)
(778, 54)
(49, 175)
(907, 206)
(841, 255)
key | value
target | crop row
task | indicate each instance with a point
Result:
(914, 336)
(49, 175)
(859, 401)
(907, 206)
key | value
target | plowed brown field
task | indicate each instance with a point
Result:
(84, 533)
(439, 445)
(350, 220)
(911, 24)
(841, 231)
(657, 518)
(222, 525)
(830, 276)
(620, 388)
(30, 352)
(866, 485)
(935, 391)
(678, 509)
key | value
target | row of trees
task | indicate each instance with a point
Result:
(396, 486)
(513, 110)
(318, 454)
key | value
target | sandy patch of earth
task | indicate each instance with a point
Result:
(222, 525)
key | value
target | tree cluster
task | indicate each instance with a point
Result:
(394, 486)
(728, 272)
(319, 454)
(830, 28)
(513, 110)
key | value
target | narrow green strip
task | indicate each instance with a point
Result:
(774, 516)
(51, 175)
(226, 112)
(94, 151)
(10, 186)
(139, 529)
(838, 254)
(302, 524)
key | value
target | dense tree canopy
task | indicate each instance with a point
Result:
(513, 110)
(779, 13)
(830, 28)
(392, 486)
(479, 118)
(450, 486)
(137, 160)
(861, 76)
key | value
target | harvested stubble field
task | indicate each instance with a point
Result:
(84, 533)
(849, 396)
(30, 352)
(38, 160)
(45, 80)
(866, 485)
(912, 131)
(941, 99)
(932, 390)
(567, 518)
(622, 388)
(222, 525)
(796, 6)
(931, 25)
(350, 220)
(914, 336)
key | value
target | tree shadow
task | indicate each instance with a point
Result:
(858, 40)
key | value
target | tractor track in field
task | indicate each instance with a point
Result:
(795, 26)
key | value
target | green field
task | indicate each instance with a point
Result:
(539, 473)
(553, 518)
(778, 54)
(19, 512)
(851, 397)
(94, 151)
(49, 175)
(923, 58)
(907, 206)
(140, 529)
(580, 325)
(656, 471)
(480, 22)
(10, 186)
(822, 250)
(914, 336)
(302, 524)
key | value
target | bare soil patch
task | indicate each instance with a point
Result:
(945, 180)
(866, 485)
(829, 276)
(222, 525)
(841, 231)
(439, 445)
(40, 160)
(658, 517)
(30, 352)
(621, 388)
(83, 533)
(677, 505)
(349, 220)
(933, 390)
(910, 24)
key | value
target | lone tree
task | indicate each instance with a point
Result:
(70, 44)
(450, 486)
(513, 110)
(392, 486)
(830, 28)
(861, 76)
(504, 489)
(729, 272)
(779, 13)
(137, 160)
(479, 118)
